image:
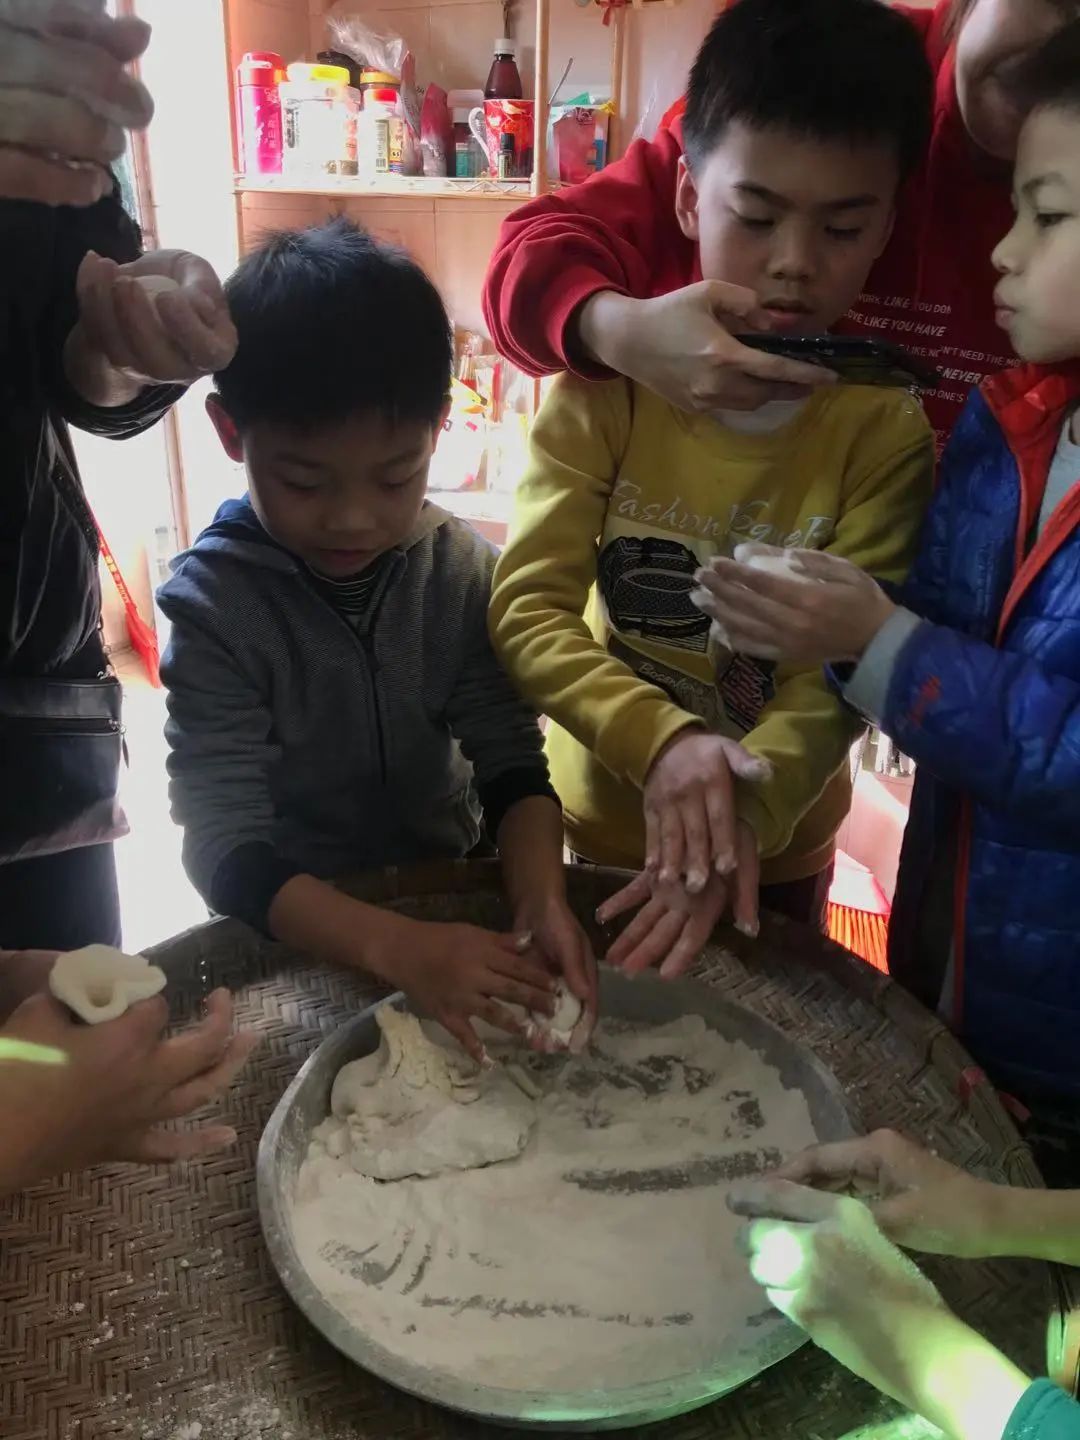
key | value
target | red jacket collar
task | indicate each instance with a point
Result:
(1030, 404)
(1032, 400)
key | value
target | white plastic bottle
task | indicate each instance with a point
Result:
(382, 135)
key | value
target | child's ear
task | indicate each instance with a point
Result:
(686, 202)
(440, 426)
(231, 440)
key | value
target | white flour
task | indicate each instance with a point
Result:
(602, 1257)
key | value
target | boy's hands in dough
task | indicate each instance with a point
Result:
(83, 1094)
(917, 1199)
(672, 926)
(559, 938)
(824, 1262)
(689, 806)
(455, 973)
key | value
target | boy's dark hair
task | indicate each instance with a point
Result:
(1050, 79)
(333, 324)
(848, 70)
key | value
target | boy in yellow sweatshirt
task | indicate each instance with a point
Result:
(801, 121)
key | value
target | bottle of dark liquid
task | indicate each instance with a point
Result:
(507, 159)
(504, 81)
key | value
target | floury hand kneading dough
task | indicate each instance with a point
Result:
(571, 1233)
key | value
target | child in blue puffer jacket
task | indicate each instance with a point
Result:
(976, 671)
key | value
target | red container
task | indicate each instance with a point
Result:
(259, 138)
(496, 119)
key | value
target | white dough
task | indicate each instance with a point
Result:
(100, 983)
(416, 1107)
(784, 562)
(558, 1028)
(156, 285)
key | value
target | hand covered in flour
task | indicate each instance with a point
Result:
(82, 1094)
(162, 319)
(824, 1263)
(689, 803)
(918, 1200)
(672, 926)
(455, 973)
(560, 940)
(764, 606)
(66, 98)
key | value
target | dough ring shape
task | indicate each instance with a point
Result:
(99, 983)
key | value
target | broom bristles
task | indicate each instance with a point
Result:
(858, 912)
(864, 935)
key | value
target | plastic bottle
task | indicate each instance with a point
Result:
(378, 80)
(504, 81)
(320, 112)
(465, 159)
(384, 132)
(259, 135)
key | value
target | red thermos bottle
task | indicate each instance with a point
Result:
(259, 137)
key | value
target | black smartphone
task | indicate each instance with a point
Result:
(856, 360)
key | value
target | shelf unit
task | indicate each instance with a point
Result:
(394, 187)
(482, 188)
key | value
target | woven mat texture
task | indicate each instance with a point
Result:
(141, 1304)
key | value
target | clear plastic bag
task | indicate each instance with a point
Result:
(375, 50)
(370, 48)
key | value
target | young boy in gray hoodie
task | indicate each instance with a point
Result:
(334, 703)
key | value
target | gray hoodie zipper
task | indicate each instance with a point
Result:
(364, 640)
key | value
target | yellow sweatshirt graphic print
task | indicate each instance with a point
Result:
(623, 498)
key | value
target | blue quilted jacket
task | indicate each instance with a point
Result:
(985, 697)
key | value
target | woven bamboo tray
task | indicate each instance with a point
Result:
(143, 1305)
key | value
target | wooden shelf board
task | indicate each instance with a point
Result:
(401, 187)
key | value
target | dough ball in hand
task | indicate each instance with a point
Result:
(100, 983)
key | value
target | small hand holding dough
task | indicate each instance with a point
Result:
(100, 983)
(771, 559)
(753, 556)
(559, 1030)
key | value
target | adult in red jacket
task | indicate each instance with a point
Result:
(600, 278)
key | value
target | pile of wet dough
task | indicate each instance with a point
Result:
(419, 1107)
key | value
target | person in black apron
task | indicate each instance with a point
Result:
(81, 343)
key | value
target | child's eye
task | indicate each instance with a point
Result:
(839, 232)
(295, 488)
(1047, 219)
(754, 222)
